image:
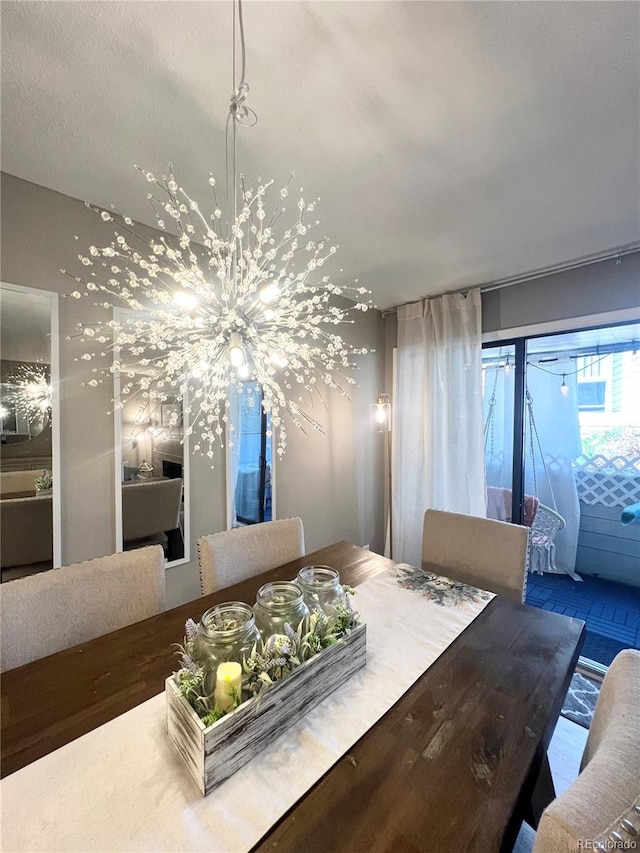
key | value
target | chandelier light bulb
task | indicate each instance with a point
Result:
(244, 371)
(236, 350)
(184, 299)
(381, 414)
(199, 371)
(269, 293)
(279, 360)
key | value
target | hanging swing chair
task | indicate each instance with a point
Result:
(547, 521)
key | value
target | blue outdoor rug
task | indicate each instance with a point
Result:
(600, 648)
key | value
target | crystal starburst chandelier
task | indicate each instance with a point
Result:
(31, 392)
(218, 301)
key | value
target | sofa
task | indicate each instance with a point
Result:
(151, 508)
(18, 481)
(26, 531)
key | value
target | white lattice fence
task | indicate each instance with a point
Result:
(610, 481)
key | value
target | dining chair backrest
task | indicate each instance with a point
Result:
(233, 555)
(482, 552)
(57, 609)
(605, 798)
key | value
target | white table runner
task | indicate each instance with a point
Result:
(122, 786)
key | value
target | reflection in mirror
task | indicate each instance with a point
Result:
(28, 320)
(151, 471)
(25, 400)
(252, 499)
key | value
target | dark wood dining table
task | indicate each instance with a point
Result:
(451, 767)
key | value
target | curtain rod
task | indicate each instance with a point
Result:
(616, 254)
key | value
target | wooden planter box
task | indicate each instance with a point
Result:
(213, 754)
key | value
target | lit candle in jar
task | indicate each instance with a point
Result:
(228, 686)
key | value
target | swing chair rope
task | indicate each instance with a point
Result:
(489, 423)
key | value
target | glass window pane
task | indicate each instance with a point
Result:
(498, 375)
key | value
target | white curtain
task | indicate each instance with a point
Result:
(438, 458)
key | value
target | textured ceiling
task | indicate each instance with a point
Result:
(451, 143)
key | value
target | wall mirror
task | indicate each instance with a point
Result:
(151, 468)
(29, 446)
(250, 468)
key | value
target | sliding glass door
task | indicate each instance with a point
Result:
(562, 456)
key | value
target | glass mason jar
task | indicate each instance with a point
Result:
(227, 632)
(278, 603)
(321, 588)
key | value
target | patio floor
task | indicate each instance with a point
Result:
(611, 610)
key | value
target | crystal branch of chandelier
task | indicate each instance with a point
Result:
(217, 305)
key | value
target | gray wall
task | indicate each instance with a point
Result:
(592, 290)
(334, 482)
(595, 289)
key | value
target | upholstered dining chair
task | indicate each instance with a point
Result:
(601, 809)
(233, 555)
(55, 610)
(479, 551)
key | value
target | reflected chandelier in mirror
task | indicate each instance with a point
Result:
(29, 504)
(25, 400)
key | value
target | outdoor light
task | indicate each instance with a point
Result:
(564, 388)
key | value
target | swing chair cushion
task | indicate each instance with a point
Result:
(499, 505)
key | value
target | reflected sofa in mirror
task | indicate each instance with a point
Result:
(29, 508)
(151, 472)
